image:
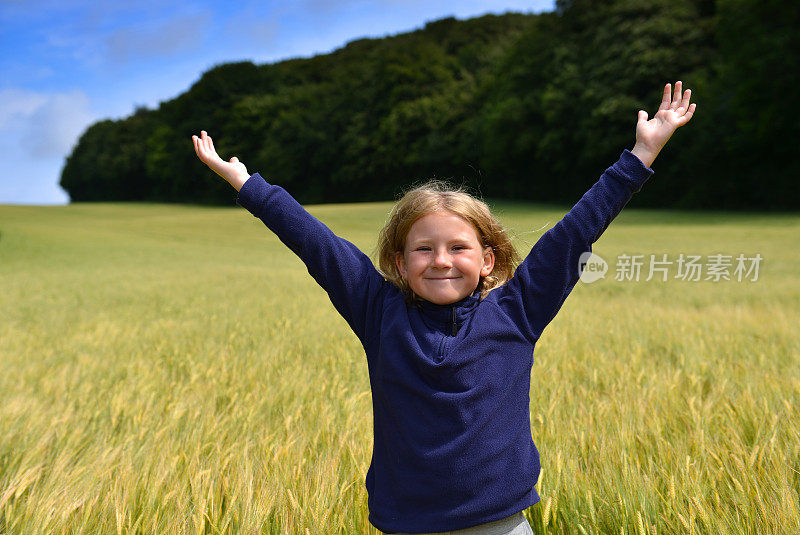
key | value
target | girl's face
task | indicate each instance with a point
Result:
(443, 259)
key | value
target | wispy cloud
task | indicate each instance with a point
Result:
(46, 125)
(158, 38)
(17, 104)
(252, 26)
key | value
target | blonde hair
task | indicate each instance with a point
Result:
(433, 196)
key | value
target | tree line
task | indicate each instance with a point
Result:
(520, 106)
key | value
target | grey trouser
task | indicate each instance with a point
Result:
(515, 524)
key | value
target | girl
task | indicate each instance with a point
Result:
(449, 328)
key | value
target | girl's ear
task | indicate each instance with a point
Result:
(488, 262)
(400, 262)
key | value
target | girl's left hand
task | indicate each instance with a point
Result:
(674, 112)
(233, 170)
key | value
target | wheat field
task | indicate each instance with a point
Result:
(174, 369)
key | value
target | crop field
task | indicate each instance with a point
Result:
(174, 369)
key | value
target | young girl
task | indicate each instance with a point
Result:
(449, 328)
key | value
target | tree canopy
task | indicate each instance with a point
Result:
(517, 105)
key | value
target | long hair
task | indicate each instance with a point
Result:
(433, 196)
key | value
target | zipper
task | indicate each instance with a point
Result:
(453, 332)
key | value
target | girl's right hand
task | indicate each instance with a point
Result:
(233, 171)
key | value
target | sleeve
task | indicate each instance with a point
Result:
(349, 277)
(548, 274)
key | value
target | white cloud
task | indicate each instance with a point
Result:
(17, 104)
(37, 130)
(45, 124)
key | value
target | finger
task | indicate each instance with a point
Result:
(676, 99)
(689, 113)
(201, 153)
(234, 159)
(642, 116)
(198, 147)
(686, 117)
(665, 99)
(206, 141)
(687, 95)
(208, 146)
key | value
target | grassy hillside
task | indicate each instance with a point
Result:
(175, 369)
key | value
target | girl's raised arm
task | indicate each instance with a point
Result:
(548, 274)
(349, 277)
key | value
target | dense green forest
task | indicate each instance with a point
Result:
(516, 106)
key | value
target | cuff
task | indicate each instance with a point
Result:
(253, 194)
(631, 170)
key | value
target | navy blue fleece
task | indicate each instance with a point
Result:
(450, 383)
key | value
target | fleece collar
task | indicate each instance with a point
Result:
(448, 315)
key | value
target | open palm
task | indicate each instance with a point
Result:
(233, 170)
(674, 112)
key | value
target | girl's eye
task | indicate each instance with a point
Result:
(423, 249)
(459, 247)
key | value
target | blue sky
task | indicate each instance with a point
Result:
(66, 64)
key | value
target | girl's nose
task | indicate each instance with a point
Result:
(442, 259)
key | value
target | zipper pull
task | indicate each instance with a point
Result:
(453, 317)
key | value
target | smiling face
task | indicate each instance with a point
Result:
(443, 260)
